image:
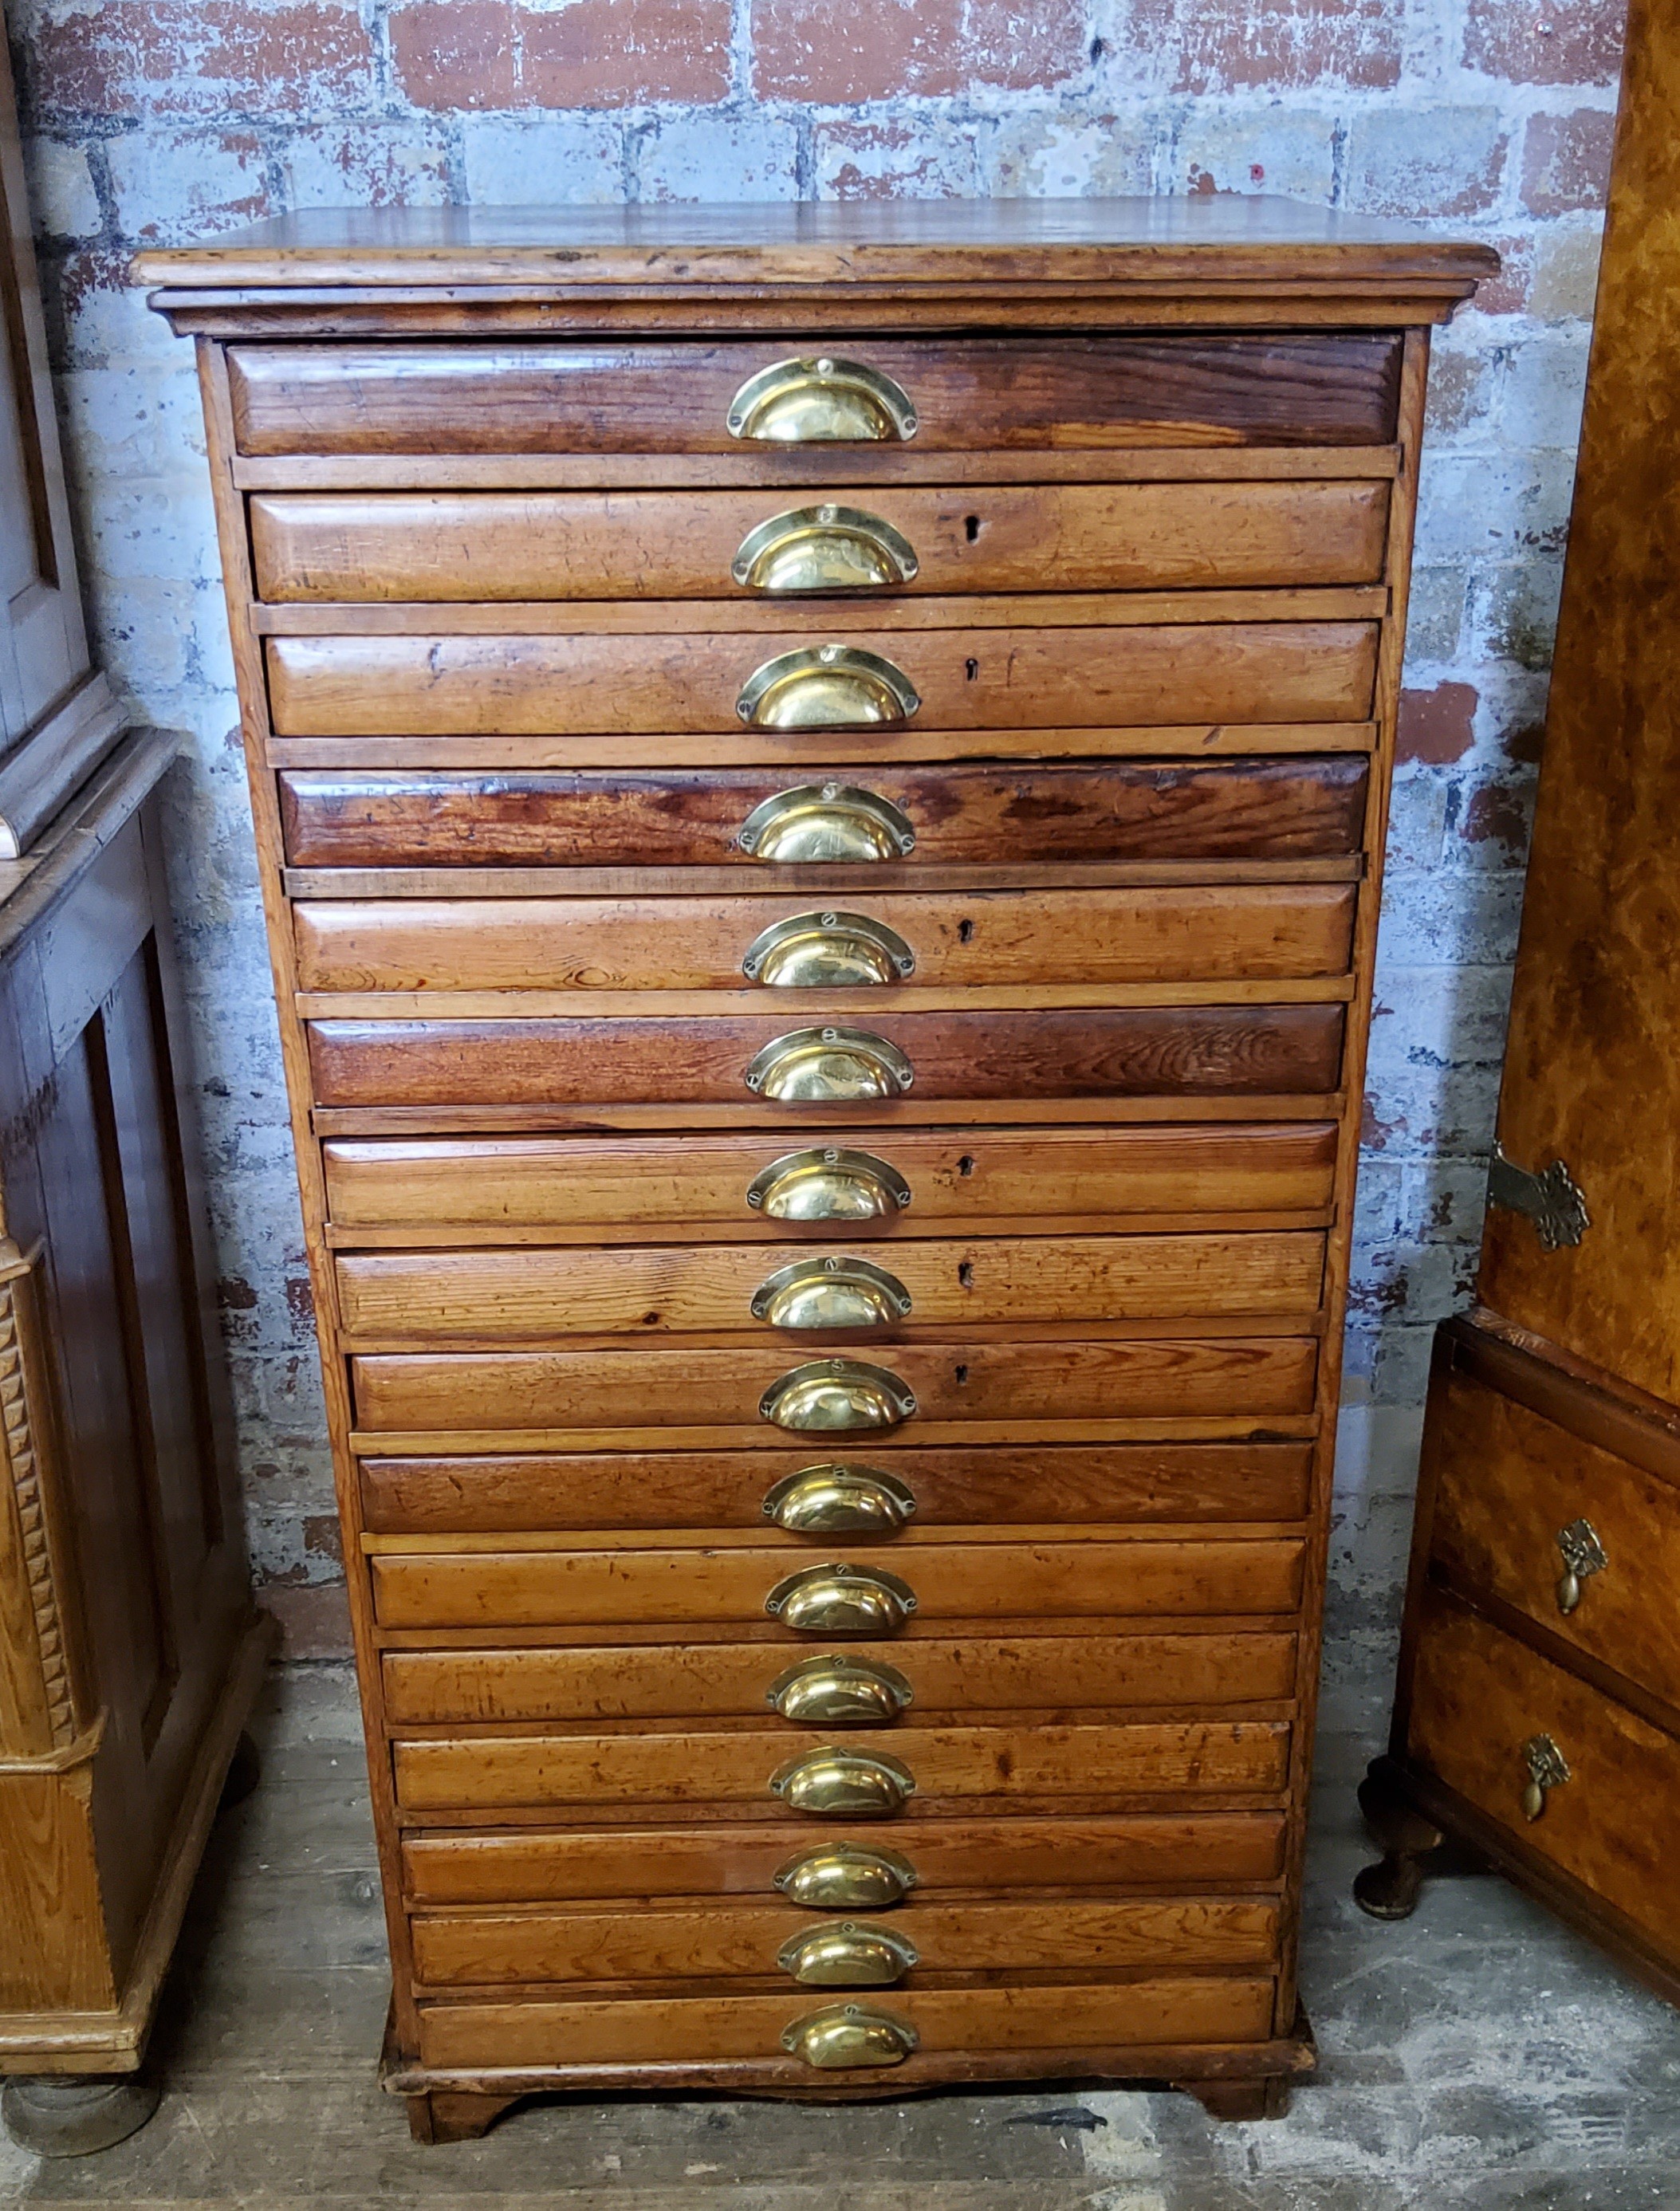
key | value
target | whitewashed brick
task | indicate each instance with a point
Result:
(172, 185)
(352, 165)
(554, 160)
(749, 156)
(1277, 148)
(1070, 156)
(63, 198)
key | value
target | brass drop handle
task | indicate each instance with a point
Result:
(830, 1293)
(828, 951)
(838, 1692)
(822, 1500)
(847, 1956)
(846, 1877)
(844, 1784)
(824, 548)
(1548, 1768)
(820, 401)
(827, 1066)
(824, 821)
(836, 1393)
(841, 1600)
(1583, 1556)
(826, 687)
(830, 1185)
(843, 2035)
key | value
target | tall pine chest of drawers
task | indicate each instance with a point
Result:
(819, 775)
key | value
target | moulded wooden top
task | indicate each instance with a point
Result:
(1221, 239)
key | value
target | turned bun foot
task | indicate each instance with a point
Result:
(69, 2115)
(1389, 1890)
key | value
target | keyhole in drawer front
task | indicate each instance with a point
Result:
(964, 1165)
(965, 932)
(971, 668)
(964, 1273)
(971, 527)
(961, 1375)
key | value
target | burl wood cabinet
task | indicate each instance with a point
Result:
(821, 777)
(1538, 1714)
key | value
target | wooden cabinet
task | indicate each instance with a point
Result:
(1537, 1718)
(820, 777)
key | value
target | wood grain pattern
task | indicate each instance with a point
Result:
(981, 393)
(443, 546)
(952, 1857)
(1052, 1383)
(961, 812)
(954, 1763)
(1139, 1052)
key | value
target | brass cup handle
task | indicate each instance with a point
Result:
(836, 1393)
(809, 400)
(824, 548)
(1547, 1769)
(830, 1185)
(1583, 1555)
(828, 1066)
(844, 1784)
(839, 1691)
(847, 1956)
(824, 821)
(846, 1877)
(832, 1500)
(841, 1600)
(830, 1293)
(831, 951)
(826, 687)
(843, 2035)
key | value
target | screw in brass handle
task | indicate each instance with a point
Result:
(847, 1956)
(826, 687)
(839, 1691)
(841, 1600)
(828, 1066)
(830, 1185)
(844, 1784)
(1547, 1769)
(830, 1293)
(1583, 1556)
(820, 401)
(831, 951)
(843, 2035)
(824, 548)
(846, 1877)
(827, 821)
(833, 1501)
(826, 1394)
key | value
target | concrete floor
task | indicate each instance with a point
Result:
(1477, 2056)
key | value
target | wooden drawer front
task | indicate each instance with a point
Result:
(1511, 1482)
(1017, 1579)
(962, 813)
(492, 1773)
(1108, 1483)
(983, 679)
(1037, 1673)
(1061, 2018)
(1480, 1696)
(529, 546)
(586, 1185)
(1202, 1052)
(969, 393)
(529, 1294)
(676, 1393)
(946, 1857)
(742, 1941)
(997, 939)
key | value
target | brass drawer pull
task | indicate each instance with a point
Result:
(836, 1692)
(829, 1500)
(1548, 1768)
(826, 687)
(824, 548)
(827, 1066)
(826, 822)
(847, 1956)
(1583, 1556)
(809, 402)
(841, 1600)
(846, 1877)
(827, 1185)
(836, 1393)
(830, 1293)
(828, 951)
(850, 2034)
(844, 1784)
